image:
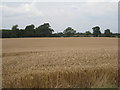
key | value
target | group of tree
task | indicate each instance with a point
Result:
(97, 32)
(29, 31)
(45, 30)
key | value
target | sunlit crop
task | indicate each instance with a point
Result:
(60, 62)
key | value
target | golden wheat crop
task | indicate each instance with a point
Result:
(60, 62)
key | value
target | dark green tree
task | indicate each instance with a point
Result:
(96, 31)
(6, 33)
(107, 33)
(59, 34)
(29, 30)
(15, 31)
(87, 33)
(15, 27)
(44, 30)
(30, 27)
(68, 32)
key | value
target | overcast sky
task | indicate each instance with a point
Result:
(81, 16)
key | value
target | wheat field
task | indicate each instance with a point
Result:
(77, 62)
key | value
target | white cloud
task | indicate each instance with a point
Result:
(81, 16)
(31, 9)
(60, 0)
(28, 9)
(81, 10)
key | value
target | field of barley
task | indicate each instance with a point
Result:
(79, 62)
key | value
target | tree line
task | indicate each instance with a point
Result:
(45, 30)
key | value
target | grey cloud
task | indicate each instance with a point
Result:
(81, 16)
